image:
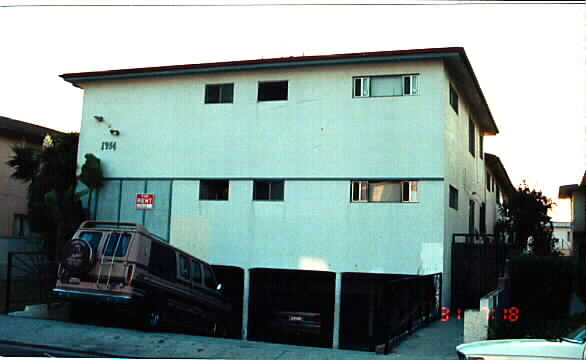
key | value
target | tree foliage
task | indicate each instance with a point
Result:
(54, 207)
(526, 218)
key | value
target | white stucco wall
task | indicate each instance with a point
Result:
(316, 227)
(464, 172)
(320, 131)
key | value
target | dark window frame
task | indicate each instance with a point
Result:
(453, 197)
(214, 190)
(265, 93)
(483, 218)
(471, 217)
(454, 101)
(222, 96)
(471, 137)
(275, 192)
(480, 144)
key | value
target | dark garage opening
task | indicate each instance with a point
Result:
(291, 306)
(232, 280)
(377, 310)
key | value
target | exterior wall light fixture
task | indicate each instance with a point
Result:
(99, 118)
(114, 132)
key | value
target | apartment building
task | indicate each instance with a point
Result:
(363, 162)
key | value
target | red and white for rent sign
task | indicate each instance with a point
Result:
(145, 201)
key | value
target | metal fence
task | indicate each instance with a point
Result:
(379, 310)
(30, 276)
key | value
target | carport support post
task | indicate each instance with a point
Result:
(245, 304)
(337, 299)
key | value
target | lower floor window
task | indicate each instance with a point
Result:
(213, 190)
(268, 190)
(384, 191)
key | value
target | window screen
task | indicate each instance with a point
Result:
(384, 191)
(386, 86)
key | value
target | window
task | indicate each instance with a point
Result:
(184, 267)
(117, 243)
(196, 272)
(384, 191)
(208, 277)
(471, 217)
(91, 237)
(163, 261)
(453, 198)
(453, 99)
(471, 137)
(268, 190)
(272, 90)
(373, 86)
(221, 93)
(483, 218)
(498, 196)
(213, 189)
(488, 180)
(481, 145)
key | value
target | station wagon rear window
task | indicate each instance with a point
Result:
(92, 238)
(117, 242)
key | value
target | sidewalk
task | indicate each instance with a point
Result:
(435, 342)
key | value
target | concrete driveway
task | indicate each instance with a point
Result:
(435, 342)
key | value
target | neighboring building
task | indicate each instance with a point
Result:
(363, 162)
(499, 189)
(575, 193)
(13, 193)
(562, 231)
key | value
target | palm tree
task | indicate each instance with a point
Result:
(54, 207)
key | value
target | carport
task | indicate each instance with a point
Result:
(274, 291)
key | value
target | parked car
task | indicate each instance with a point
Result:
(571, 347)
(296, 322)
(124, 265)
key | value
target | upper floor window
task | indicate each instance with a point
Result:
(397, 85)
(213, 189)
(471, 137)
(453, 99)
(453, 198)
(488, 181)
(220, 93)
(384, 191)
(268, 190)
(273, 90)
(481, 145)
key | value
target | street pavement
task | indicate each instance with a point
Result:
(434, 342)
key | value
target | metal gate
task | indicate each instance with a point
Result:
(477, 263)
(30, 276)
